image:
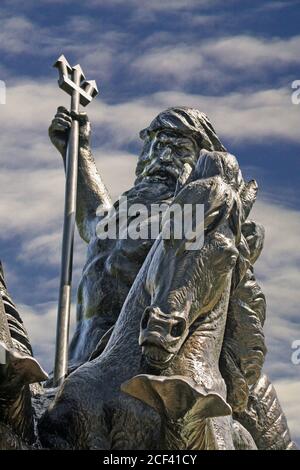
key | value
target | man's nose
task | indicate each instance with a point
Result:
(165, 154)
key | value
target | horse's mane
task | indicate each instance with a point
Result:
(243, 352)
(244, 349)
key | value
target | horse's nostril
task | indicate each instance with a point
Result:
(145, 319)
(178, 329)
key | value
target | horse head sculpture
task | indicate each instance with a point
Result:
(185, 284)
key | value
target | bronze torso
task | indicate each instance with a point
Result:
(112, 265)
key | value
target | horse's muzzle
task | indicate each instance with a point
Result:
(161, 336)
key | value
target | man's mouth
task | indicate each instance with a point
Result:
(162, 173)
(158, 177)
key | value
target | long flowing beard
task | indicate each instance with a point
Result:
(146, 192)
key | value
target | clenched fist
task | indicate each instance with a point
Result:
(60, 128)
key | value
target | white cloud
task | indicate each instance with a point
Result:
(179, 59)
(278, 271)
(144, 4)
(163, 58)
(279, 263)
(84, 37)
(14, 34)
(40, 321)
(30, 200)
(274, 5)
(217, 62)
(31, 105)
(241, 51)
(21, 35)
(158, 5)
(236, 116)
(179, 62)
(43, 249)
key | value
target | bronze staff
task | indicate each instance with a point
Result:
(72, 81)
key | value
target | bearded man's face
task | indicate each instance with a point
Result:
(166, 155)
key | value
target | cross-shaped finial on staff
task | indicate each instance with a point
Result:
(72, 79)
(82, 91)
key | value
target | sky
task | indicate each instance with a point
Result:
(234, 60)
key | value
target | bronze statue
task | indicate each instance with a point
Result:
(169, 346)
(171, 144)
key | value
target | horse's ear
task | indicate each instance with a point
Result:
(216, 198)
(209, 222)
(219, 209)
(248, 197)
(213, 218)
(234, 220)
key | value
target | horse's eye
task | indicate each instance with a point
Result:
(178, 329)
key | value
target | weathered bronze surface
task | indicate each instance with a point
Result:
(169, 345)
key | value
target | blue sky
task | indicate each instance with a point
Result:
(234, 60)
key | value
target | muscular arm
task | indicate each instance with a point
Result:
(91, 192)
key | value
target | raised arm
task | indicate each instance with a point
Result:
(91, 192)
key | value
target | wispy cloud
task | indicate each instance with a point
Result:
(242, 51)
(40, 321)
(157, 5)
(84, 37)
(278, 270)
(236, 116)
(13, 35)
(231, 59)
(252, 116)
(276, 5)
(163, 58)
